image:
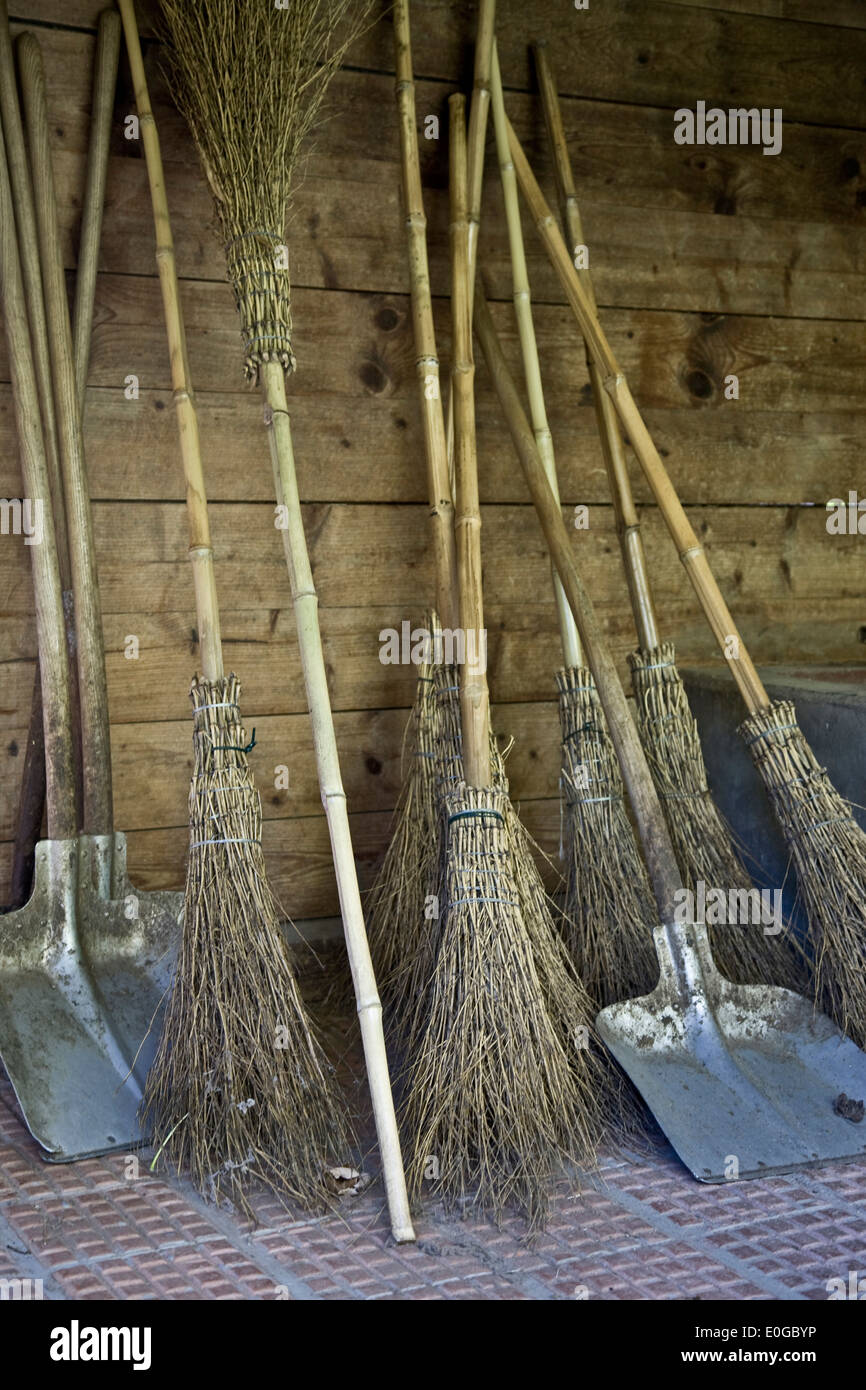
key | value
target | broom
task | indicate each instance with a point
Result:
(250, 79)
(825, 842)
(240, 1087)
(702, 841)
(396, 918)
(491, 1094)
(609, 908)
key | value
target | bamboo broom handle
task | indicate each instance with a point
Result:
(474, 696)
(102, 110)
(475, 156)
(200, 548)
(429, 386)
(649, 816)
(478, 126)
(612, 443)
(50, 623)
(333, 795)
(97, 812)
(688, 546)
(569, 636)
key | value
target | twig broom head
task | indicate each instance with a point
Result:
(240, 1090)
(829, 852)
(702, 842)
(250, 78)
(610, 912)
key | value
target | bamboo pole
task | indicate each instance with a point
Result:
(97, 813)
(102, 110)
(427, 362)
(688, 546)
(528, 346)
(200, 547)
(32, 797)
(478, 114)
(474, 696)
(333, 794)
(50, 623)
(655, 839)
(612, 443)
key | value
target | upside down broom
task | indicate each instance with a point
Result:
(702, 841)
(250, 79)
(240, 1089)
(491, 1090)
(826, 843)
(609, 909)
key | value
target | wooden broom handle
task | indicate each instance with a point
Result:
(50, 625)
(102, 110)
(97, 813)
(688, 546)
(569, 636)
(200, 548)
(474, 697)
(612, 443)
(658, 851)
(427, 359)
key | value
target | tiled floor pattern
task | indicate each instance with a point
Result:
(642, 1229)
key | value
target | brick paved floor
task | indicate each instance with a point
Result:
(642, 1229)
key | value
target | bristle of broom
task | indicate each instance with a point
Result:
(702, 842)
(396, 923)
(610, 911)
(250, 78)
(828, 848)
(494, 1109)
(569, 1006)
(240, 1090)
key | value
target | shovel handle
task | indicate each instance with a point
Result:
(688, 546)
(102, 110)
(658, 851)
(97, 818)
(50, 626)
(610, 434)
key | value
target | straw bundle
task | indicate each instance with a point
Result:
(828, 848)
(240, 1089)
(493, 1097)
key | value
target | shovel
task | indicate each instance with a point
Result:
(744, 1080)
(84, 966)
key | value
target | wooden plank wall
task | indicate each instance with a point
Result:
(707, 261)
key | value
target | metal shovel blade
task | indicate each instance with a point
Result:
(68, 1046)
(744, 1080)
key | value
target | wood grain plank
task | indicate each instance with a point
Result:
(651, 52)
